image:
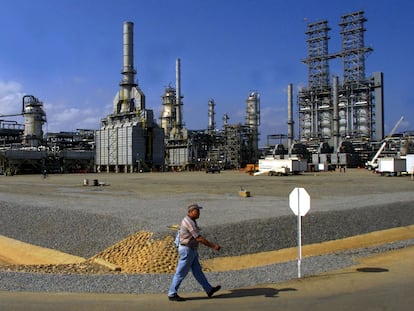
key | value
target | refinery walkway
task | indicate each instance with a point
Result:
(381, 282)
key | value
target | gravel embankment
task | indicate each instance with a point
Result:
(95, 232)
(85, 233)
(159, 283)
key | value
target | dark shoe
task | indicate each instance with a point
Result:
(175, 297)
(213, 290)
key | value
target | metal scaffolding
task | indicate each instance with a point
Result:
(351, 110)
(353, 48)
(318, 56)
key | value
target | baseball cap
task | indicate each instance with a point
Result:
(193, 206)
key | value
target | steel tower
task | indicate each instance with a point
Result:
(353, 48)
(351, 110)
(317, 61)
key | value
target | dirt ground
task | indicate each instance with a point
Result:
(161, 254)
(147, 185)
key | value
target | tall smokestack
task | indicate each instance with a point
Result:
(211, 113)
(178, 116)
(290, 116)
(128, 69)
(129, 97)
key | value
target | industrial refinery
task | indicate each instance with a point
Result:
(339, 122)
(26, 149)
(333, 112)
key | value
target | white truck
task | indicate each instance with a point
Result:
(391, 166)
(272, 166)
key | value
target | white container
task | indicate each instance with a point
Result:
(391, 165)
(285, 166)
(409, 164)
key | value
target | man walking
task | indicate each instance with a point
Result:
(189, 239)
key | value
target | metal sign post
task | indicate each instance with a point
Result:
(299, 242)
(299, 203)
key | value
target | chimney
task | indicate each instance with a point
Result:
(178, 115)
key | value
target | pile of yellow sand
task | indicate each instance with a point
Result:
(139, 253)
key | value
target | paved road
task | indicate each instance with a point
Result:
(383, 282)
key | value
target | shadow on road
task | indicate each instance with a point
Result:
(248, 292)
(372, 269)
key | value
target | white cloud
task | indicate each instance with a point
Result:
(67, 119)
(10, 97)
(274, 116)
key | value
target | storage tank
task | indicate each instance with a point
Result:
(363, 122)
(307, 125)
(326, 124)
(34, 118)
(168, 112)
(342, 122)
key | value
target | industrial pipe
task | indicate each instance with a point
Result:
(290, 116)
(178, 92)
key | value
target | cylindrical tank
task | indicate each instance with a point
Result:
(34, 117)
(342, 122)
(168, 112)
(253, 110)
(253, 119)
(307, 125)
(363, 122)
(326, 124)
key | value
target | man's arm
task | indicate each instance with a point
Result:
(207, 243)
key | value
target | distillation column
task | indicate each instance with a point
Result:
(168, 110)
(211, 113)
(34, 118)
(253, 121)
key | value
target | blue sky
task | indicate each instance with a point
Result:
(69, 55)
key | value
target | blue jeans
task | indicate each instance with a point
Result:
(188, 260)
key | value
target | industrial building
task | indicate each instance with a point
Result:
(330, 111)
(25, 149)
(339, 119)
(339, 122)
(129, 139)
(230, 147)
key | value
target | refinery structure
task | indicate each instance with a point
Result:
(25, 148)
(131, 140)
(129, 136)
(347, 114)
(338, 121)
